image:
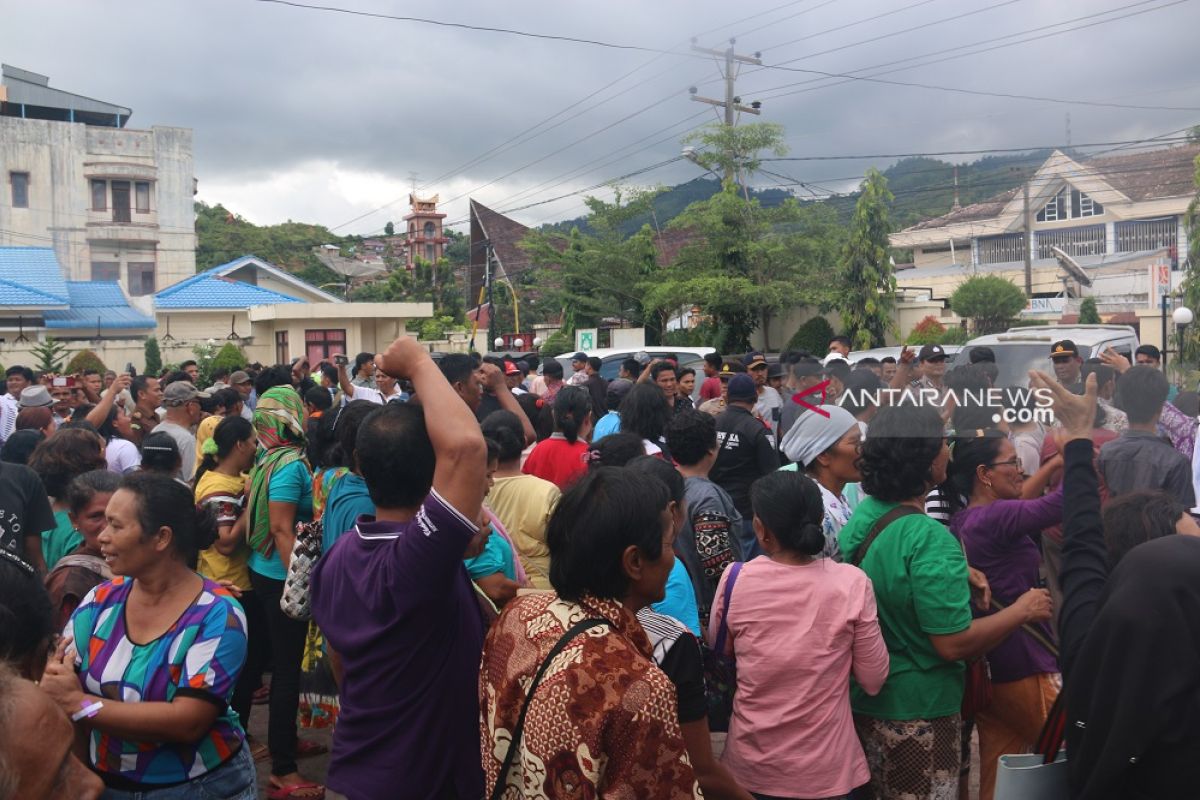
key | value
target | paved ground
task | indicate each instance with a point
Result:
(316, 767)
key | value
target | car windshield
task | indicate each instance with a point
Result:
(1015, 359)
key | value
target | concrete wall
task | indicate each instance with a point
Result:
(62, 158)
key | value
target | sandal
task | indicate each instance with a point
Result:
(297, 791)
(258, 751)
(261, 695)
(308, 749)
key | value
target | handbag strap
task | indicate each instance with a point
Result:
(519, 731)
(1037, 635)
(879, 527)
(1050, 740)
(723, 628)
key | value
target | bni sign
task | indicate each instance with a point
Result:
(1160, 284)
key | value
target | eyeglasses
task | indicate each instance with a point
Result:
(1012, 462)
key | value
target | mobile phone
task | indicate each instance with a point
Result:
(340, 359)
(66, 382)
(129, 370)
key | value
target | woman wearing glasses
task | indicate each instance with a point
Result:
(1004, 513)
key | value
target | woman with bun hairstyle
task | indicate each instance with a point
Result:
(562, 458)
(798, 625)
(149, 660)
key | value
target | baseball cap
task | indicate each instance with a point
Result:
(930, 352)
(775, 370)
(511, 369)
(241, 376)
(729, 369)
(618, 388)
(1063, 347)
(35, 397)
(754, 360)
(181, 392)
(580, 356)
(982, 354)
(742, 389)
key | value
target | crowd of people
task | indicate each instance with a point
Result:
(770, 580)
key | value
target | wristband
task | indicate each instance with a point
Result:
(86, 710)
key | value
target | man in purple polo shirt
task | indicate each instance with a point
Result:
(395, 603)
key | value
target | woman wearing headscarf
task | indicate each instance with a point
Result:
(826, 444)
(280, 497)
(1130, 642)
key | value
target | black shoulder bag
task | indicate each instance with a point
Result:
(518, 732)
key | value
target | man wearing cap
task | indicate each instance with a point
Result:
(513, 376)
(932, 365)
(717, 405)
(1068, 365)
(802, 375)
(769, 403)
(240, 380)
(579, 364)
(826, 447)
(611, 422)
(182, 401)
(35, 396)
(745, 452)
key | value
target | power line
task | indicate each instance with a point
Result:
(968, 152)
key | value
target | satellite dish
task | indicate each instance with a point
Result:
(1071, 266)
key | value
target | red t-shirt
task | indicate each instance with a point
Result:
(557, 460)
(710, 389)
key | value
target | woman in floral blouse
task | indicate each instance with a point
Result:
(603, 721)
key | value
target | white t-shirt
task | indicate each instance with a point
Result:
(374, 395)
(122, 456)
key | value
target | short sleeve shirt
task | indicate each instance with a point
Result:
(497, 556)
(200, 656)
(557, 460)
(919, 574)
(226, 495)
(24, 508)
(291, 483)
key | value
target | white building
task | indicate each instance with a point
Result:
(114, 203)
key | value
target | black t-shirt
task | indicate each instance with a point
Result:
(24, 507)
(745, 452)
(487, 404)
(677, 653)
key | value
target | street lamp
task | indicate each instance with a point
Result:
(1182, 316)
(518, 343)
(537, 343)
(499, 342)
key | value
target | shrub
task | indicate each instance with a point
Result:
(1088, 315)
(153, 356)
(927, 331)
(85, 359)
(700, 336)
(435, 327)
(957, 334)
(989, 301)
(813, 336)
(229, 357)
(557, 342)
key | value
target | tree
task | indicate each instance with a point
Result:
(50, 355)
(989, 301)
(734, 152)
(389, 229)
(229, 357)
(85, 359)
(927, 331)
(1088, 315)
(1190, 341)
(153, 356)
(866, 280)
(813, 336)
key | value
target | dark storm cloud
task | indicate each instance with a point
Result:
(270, 89)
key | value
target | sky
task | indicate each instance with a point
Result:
(326, 117)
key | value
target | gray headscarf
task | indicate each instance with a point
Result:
(813, 433)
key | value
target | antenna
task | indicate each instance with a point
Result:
(956, 205)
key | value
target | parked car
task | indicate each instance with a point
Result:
(1021, 349)
(611, 358)
(894, 352)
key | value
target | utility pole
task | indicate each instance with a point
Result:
(1028, 242)
(487, 282)
(732, 102)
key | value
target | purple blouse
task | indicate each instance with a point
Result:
(998, 539)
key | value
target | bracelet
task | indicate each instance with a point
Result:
(86, 710)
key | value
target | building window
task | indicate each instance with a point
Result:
(429, 253)
(99, 195)
(281, 347)
(1084, 206)
(321, 345)
(109, 271)
(141, 279)
(20, 189)
(1069, 203)
(142, 197)
(120, 201)
(429, 230)
(1055, 210)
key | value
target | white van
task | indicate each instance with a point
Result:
(1021, 349)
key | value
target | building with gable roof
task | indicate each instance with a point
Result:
(1109, 227)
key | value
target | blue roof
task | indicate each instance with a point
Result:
(96, 304)
(31, 276)
(209, 289)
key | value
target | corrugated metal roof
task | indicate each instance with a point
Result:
(97, 304)
(31, 276)
(212, 291)
(33, 89)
